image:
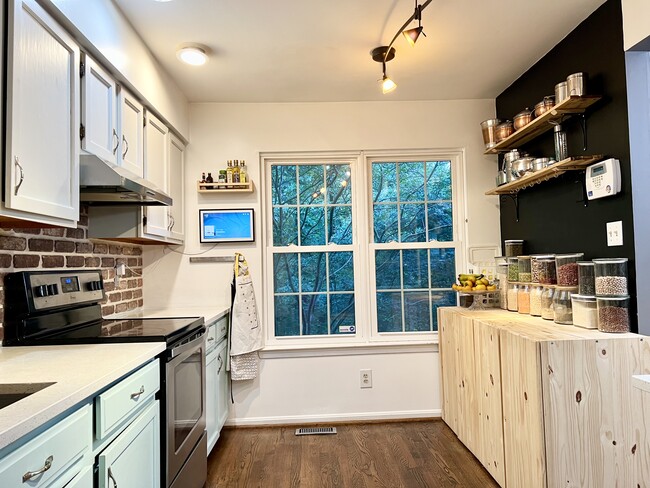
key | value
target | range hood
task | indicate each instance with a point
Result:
(103, 183)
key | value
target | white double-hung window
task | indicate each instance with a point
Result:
(360, 247)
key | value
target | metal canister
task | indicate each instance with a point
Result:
(561, 92)
(576, 84)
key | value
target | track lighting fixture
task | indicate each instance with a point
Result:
(383, 54)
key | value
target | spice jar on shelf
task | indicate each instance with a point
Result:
(536, 299)
(513, 269)
(586, 285)
(567, 268)
(613, 314)
(585, 311)
(547, 274)
(611, 277)
(523, 298)
(513, 290)
(562, 307)
(524, 269)
(535, 266)
(514, 247)
(547, 302)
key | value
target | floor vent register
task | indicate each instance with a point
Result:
(315, 430)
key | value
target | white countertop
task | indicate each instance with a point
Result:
(210, 314)
(642, 382)
(78, 372)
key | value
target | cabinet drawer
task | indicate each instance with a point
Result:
(211, 341)
(83, 479)
(222, 328)
(128, 396)
(60, 447)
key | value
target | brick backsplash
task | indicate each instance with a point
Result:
(59, 248)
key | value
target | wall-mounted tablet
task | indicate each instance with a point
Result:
(227, 225)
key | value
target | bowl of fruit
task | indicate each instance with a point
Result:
(475, 284)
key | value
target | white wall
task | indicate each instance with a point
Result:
(636, 27)
(405, 383)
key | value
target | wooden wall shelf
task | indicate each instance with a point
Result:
(550, 172)
(545, 122)
(224, 187)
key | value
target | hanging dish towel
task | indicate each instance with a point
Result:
(245, 328)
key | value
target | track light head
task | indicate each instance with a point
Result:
(412, 35)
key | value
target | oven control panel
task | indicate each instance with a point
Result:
(63, 288)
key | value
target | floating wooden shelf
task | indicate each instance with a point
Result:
(545, 122)
(225, 187)
(550, 172)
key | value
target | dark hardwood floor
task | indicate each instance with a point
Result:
(399, 454)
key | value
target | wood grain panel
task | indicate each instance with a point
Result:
(447, 367)
(468, 424)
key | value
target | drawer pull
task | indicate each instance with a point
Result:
(32, 474)
(138, 393)
(210, 339)
(111, 477)
(220, 364)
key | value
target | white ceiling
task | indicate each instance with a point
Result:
(319, 50)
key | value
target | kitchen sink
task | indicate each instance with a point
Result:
(13, 392)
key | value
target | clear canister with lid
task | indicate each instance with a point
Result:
(547, 274)
(586, 284)
(514, 247)
(535, 266)
(502, 278)
(613, 314)
(585, 311)
(524, 269)
(547, 302)
(536, 299)
(513, 269)
(567, 268)
(513, 290)
(611, 277)
(562, 306)
(523, 298)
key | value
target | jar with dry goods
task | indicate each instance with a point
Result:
(514, 247)
(567, 268)
(523, 298)
(547, 302)
(513, 290)
(502, 277)
(536, 299)
(535, 265)
(524, 269)
(585, 311)
(611, 277)
(562, 307)
(613, 314)
(513, 269)
(586, 285)
(547, 274)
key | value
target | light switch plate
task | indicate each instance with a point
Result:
(615, 233)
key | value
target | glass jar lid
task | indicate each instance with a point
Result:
(585, 263)
(583, 298)
(610, 260)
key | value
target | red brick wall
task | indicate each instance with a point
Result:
(59, 248)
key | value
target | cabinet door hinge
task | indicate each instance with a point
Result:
(82, 69)
(144, 221)
(82, 132)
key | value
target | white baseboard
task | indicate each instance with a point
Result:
(334, 418)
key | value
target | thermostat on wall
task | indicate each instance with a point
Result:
(603, 179)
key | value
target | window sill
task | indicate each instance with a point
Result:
(358, 349)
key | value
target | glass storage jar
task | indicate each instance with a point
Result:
(611, 277)
(513, 269)
(536, 299)
(523, 298)
(513, 289)
(567, 268)
(547, 275)
(585, 311)
(514, 247)
(524, 269)
(502, 277)
(535, 266)
(562, 310)
(586, 285)
(613, 314)
(547, 302)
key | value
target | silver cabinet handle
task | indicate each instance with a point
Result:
(210, 339)
(116, 138)
(137, 393)
(111, 477)
(22, 175)
(126, 148)
(220, 364)
(32, 474)
(173, 222)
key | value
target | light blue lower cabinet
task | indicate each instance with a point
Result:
(223, 385)
(211, 398)
(132, 460)
(83, 480)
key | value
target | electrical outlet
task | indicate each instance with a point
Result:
(615, 233)
(120, 269)
(366, 378)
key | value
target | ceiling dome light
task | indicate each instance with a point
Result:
(194, 55)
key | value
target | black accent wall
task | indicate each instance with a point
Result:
(553, 216)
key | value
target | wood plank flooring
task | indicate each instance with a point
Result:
(390, 455)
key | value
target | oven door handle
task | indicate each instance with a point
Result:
(176, 351)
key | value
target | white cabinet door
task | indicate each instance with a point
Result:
(176, 185)
(132, 460)
(223, 385)
(211, 399)
(99, 112)
(131, 125)
(42, 158)
(157, 172)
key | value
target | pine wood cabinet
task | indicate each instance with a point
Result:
(543, 405)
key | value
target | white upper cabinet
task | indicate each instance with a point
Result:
(156, 171)
(131, 124)
(42, 149)
(176, 186)
(99, 112)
